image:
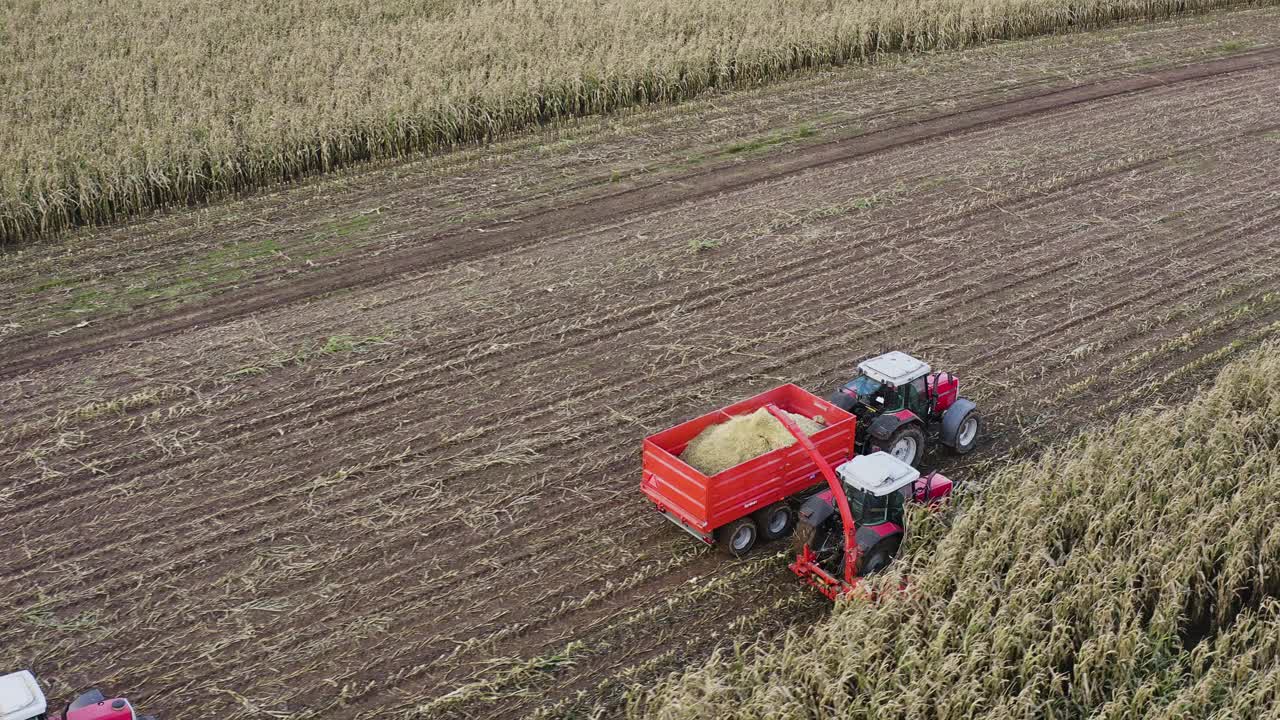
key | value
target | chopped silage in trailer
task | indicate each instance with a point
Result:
(743, 438)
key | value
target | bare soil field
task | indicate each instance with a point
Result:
(369, 447)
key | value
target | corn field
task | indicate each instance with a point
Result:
(1132, 573)
(117, 107)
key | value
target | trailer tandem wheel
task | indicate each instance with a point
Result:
(738, 537)
(775, 521)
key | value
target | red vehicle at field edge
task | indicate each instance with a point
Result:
(22, 699)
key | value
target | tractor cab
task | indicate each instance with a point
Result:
(877, 486)
(888, 383)
(900, 403)
(21, 697)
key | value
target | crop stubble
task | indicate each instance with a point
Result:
(444, 502)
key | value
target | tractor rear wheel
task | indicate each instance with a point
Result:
(738, 537)
(775, 521)
(907, 444)
(967, 434)
(879, 556)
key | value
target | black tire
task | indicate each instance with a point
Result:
(738, 537)
(776, 521)
(962, 432)
(879, 556)
(908, 433)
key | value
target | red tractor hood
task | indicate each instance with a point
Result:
(93, 706)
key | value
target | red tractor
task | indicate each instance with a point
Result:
(899, 402)
(855, 526)
(22, 699)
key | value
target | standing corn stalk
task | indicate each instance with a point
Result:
(122, 106)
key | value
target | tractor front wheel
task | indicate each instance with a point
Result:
(967, 434)
(738, 537)
(775, 521)
(879, 556)
(907, 444)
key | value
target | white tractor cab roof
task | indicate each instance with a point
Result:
(20, 696)
(878, 473)
(894, 369)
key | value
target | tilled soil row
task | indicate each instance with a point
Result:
(526, 423)
(612, 323)
(453, 248)
(447, 525)
(531, 415)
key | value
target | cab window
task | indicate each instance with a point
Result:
(918, 396)
(875, 510)
(855, 504)
(892, 397)
(864, 386)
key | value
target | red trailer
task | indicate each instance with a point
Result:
(755, 498)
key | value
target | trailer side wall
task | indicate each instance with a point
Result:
(704, 503)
